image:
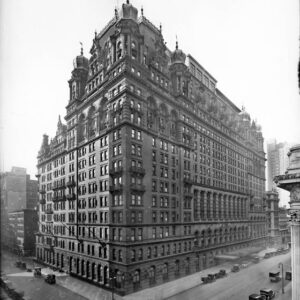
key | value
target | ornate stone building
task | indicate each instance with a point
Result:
(272, 212)
(155, 172)
(290, 181)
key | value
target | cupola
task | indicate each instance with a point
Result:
(81, 62)
(128, 11)
(178, 55)
(244, 115)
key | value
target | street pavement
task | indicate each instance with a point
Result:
(241, 284)
(66, 287)
(235, 286)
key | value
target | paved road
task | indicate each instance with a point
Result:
(33, 287)
(240, 285)
(66, 287)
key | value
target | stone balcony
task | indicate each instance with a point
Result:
(71, 196)
(138, 170)
(116, 188)
(117, 170)
(71, 183)
(138, 187)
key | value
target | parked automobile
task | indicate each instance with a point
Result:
(208, 279)
(50, 278)
(256, 297)
(18, 264)
(268, 293)
(274, 277)
(288, 275)
(256, 259)
(244, 264)
(222, 272)
(235, 268)
(37, 272)
(268, 255)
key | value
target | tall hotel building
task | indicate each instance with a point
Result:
(156, 173)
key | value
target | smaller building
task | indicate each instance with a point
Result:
(284, 228)
(23, 225)
(272, 213)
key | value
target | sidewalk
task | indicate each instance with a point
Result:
(287, 293)
(177, 286)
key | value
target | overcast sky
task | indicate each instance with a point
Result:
(250, 46)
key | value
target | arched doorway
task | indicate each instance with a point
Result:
(99, 273)
(62, 260)
(105, 275)
(93, 271)
(152, 275)
(87, 269)
(82, 268)
(71, 264)
(136, 279)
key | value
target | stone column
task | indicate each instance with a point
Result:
(211, 206)
(295, 241)
(225, 207)
(222, 206)
(205, 204)
(217, 206)
(290, 181)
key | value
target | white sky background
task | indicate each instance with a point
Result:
(250, 46)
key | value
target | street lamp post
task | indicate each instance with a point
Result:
(282, 279)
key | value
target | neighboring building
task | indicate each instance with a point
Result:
(277, 163)
(277, 218)
(272, 211)
(155, 173)
(22, 227)
(18, 192)
(284, 228)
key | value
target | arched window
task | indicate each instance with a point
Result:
(136, 279)
(165, 271)
(81, 128)
(177, 267)
(152, 275)
(133, 50)
(119, 50)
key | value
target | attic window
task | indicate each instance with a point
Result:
(133, 50)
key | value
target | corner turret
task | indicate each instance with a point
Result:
(79, 77)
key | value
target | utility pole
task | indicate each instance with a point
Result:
(282, 278)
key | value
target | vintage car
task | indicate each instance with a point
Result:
(256, 259)
(274, 277)
(235, 268)
(256, 297)
(268, 293)
(37, 272)
(288, 275)
(50, 278)
(208, 279)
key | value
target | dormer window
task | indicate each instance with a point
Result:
(133, 50)
(73, 91)
(119, 50)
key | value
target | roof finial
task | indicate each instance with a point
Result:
(176, 43)
(81, 50)
(59, 120)
(142, 11)
(95, 34)
(127, 1)
(160, 27)
(116, 13)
